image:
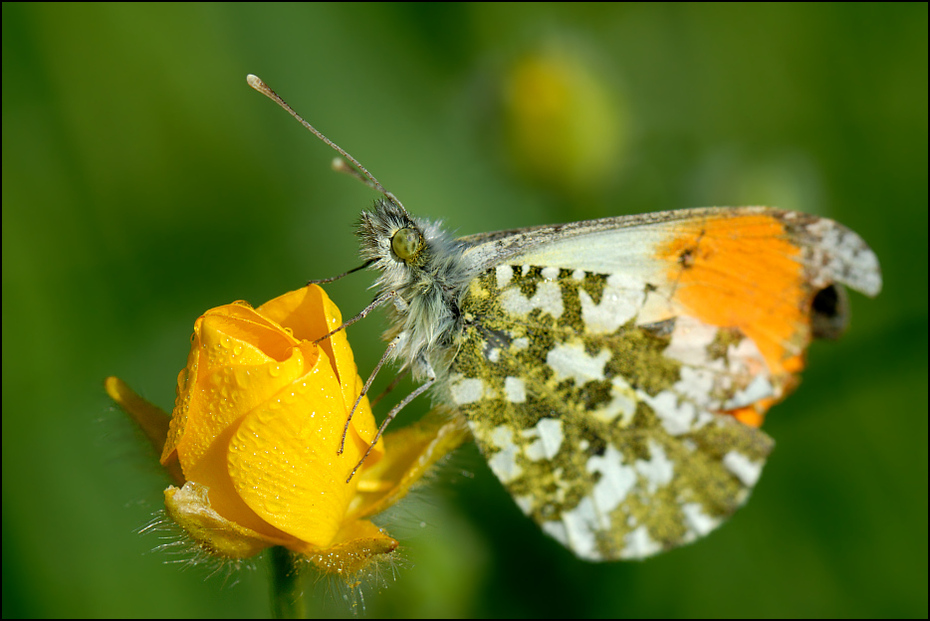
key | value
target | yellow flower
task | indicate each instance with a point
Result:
(256, 427)
(566, 126)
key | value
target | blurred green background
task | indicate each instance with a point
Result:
(144, 182)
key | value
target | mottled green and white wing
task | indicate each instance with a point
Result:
(593, 433)
(614, 373)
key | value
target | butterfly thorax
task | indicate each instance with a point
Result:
(421, 271)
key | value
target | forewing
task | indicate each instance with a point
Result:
(773, 275)
(614, 372)
(827, 250)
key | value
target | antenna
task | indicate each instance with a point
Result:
(362, 174)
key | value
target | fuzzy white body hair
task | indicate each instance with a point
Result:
(426, 288)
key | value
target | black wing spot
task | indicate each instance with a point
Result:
(686, 258)
(829, 312)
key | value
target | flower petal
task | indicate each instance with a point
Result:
(225, 394)
(283, 457)
(409, 453)
(310, 315)
(232, 366)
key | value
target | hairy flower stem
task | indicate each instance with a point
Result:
(287, 600)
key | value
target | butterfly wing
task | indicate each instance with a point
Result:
(615, 372)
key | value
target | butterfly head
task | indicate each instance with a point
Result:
(389, 235)
(421, 270)
(398, 243)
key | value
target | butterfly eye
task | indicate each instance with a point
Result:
(406, 243)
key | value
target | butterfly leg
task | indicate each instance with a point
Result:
(378, 301)
(323, 281)
(390, 387)
(371, 378)
(430, 380)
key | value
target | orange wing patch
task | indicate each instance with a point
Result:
(742, 271)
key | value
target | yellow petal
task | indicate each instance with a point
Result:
(224, 394)
(409, 453)
(259, 417)
(310, 315)
(283, 458)
(229, 342)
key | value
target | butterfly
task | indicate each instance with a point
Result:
(614, 372)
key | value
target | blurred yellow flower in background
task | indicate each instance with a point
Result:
(565, 124)
(253, 438)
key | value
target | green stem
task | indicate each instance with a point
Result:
(287, 600)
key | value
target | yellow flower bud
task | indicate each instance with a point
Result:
(257, 424)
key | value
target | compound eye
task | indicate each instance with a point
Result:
(406, 243)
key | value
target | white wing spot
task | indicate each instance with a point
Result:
(550, 273)
(616, 479)
(504, 462)
(514, 390)
(504, 275)
(467, 390)
(556, 530)
(571, 360)
(639, 544)
(581, 526)
(699, 523)
(690, 340)
(746, 357)
(525, 503)
(548, 298)
(623, 296)
(578, 274)
(746, 470)
(623, 402)
(520, 343)
(548, 432)
(759, 388)
(677, 418)
(659, 470)
(697, 385)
